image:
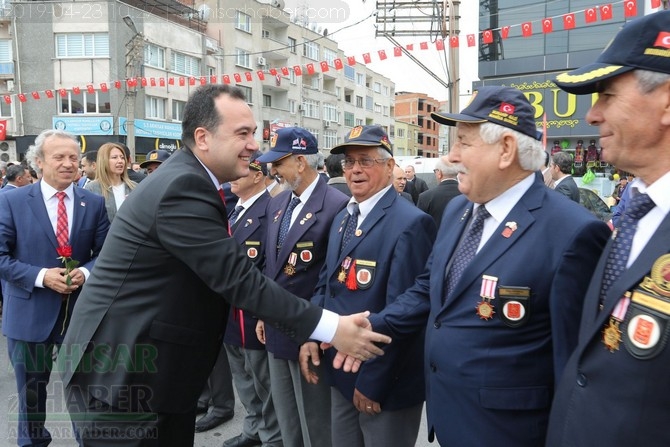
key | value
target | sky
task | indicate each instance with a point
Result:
(342, 18)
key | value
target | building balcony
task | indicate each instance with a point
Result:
(6, 70)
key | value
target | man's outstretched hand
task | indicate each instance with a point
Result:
(355, 339)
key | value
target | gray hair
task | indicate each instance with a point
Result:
(648, 81)
(41, 138)
(447, 169)
(531, 152)
(312, 160)
(31, 158)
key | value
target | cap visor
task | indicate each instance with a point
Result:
(584, 80)
(450, 119)
(341, 148)
(272, 156)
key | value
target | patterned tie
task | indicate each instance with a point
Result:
(233, 216)
(617, 258)
(466, 250)
(352, 222)
(62, 229)
(286, 222)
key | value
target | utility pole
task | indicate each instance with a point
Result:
(134, 60)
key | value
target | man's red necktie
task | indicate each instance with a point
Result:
(61, 221)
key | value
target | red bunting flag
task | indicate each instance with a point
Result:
(191, 80)
(49, 93)
(439, 44)
(397, 51)
(471, 40)
(62, 92)
(143, 82)
(453, 42)
(338, 64)
(117, 84)
(504, 32)
(273, 71)
(526, 29)
(590, 15)
(260, 75)
(366, 58)
(655, 3)
(351, 60)
(132, 82)
(212, 79)
(324, 66)
(152, 82)
(103, 87)
(382, 55)
(3, 130)
(237, 77)
(161, 82)
(22, 97)
(36, 95)
(76, 90)
(410, 47)
(297, 69)
(547, 25)
(170, 81)
(284, 71)
(310, 68)
(487, 36)
(630, 8)
(90, 88)
(569, 21)
(423, 45)
(606, 12)
(203, 80)
(247, 76)
(8, 99)
(226, 79)
(182, 81)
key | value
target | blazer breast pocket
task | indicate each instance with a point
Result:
(16, 292)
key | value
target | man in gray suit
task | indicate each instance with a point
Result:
(560, 171)
(147, 328)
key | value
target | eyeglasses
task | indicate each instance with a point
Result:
(348, 163)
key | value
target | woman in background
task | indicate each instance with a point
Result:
(111, 179)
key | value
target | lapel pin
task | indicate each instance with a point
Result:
(465, 214)
(276, 216)
(510, 227)
(82, 203)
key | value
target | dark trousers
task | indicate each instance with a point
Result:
(219, 388)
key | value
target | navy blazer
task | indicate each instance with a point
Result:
(28, 244)
(568, 187)
(618, 398)
(249, 231)
(308, 239)
(490, 382)
(397, 238)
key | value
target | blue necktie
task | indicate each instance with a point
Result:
(233, 216)
(286, 222)
(349, 230)
(466, 250)
(617, 258)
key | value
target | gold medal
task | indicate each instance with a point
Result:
(289, 270)
(612, 335)
(485, 310)
(342, 276)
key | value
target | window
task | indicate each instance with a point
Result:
(291, 106)
(329, 56)
(330, 112)
(378, 108)
(265, 34)
(154, 107)
(312, 82)
(82, 45)
(243, 22)
(267, 101)
(183, 64)
(377, 87)
(154, 56)
(6, 51)
(311, 50)
(292, 43)
(292, 77)
(400, 133)
(386, 110)
(310, 108)
(243, 58)
(5, 109)
(359, 121)
(247, 92)
(211, 71)
(349, 72)
(368, 103)
(84, 103)
(178, 110)
(349, 119)
(329, 138)
(360, 78)
(386, 90)
(359, 101)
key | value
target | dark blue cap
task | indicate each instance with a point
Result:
(289, 141)
(505, 106)
(643, 44)
(255, 165)
(371, 135)
(155, 156)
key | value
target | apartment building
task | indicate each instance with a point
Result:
(415, 108)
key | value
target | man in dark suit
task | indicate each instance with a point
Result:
(399, 181)
(365, 268)
(414, 185)
(294, 261)
(148, 327)
(561, 168)
(435, 200)
(500, 316)
(87, 166)
(336, 173)
(615, 388)
(17, 176)
(246, 354)
(38, 296)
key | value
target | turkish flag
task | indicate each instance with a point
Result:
(655, 3)
(338, 64)
(284, 71)
(487, 36)
(381, 54)
(171, 81)
(366, 58)
(662, 40)
(439, 44)
(76, 90)
(297, 69)
(590, 15)
(182, 81)
(504, 31)
(226, 79)
(423, 45)
(49, 93)
(526, 29)
(103, 87)
(3, 130)
(453, 42)
(152, 82)
(547, 25)
(630, 8)
(471, 40)
(260, 75)
(351, 60)
(212, 79)
(203, 80)
(410, 47)
(117, 84)
(143, 82)
(247, 76)
(132, 82)
(191, 80)
(22, 97)
(606, 12)
(324, 66)
(62, 92)
(310, 68)
(569, 21)
(273, 71)
(397, 51)
(237, 77)
(8, 99)
(161, 82)
(36, 95)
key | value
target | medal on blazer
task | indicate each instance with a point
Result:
(342, 276)
(289, 269)
(485, 308)
(612, 332)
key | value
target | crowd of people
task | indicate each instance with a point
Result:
(338, 304)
